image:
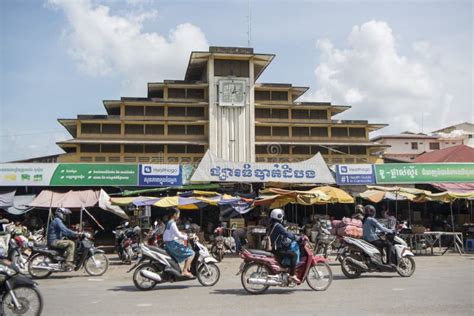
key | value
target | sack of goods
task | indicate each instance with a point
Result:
(350, 227)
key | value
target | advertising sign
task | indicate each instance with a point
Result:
(37, 174)
(424, 173)
(95, 174)
(160, 175)
(355, 174)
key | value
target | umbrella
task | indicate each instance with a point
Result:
(336, 195)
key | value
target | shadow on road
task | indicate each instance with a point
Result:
(131, 288)
(241, 292)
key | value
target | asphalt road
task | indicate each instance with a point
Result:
(440, 286)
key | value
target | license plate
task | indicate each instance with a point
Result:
(241, 268)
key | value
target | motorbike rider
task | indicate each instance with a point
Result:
(57, 230)
(358, 212)
(178, 251)
(281, 240)
(371, 225)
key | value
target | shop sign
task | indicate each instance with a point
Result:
(160, 175)
(355, 174)
(214, 169)
(424, 173)
(31, 174)
(95, 175)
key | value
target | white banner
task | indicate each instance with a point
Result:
(214, 169)
(26, 173)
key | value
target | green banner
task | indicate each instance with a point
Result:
(424, 173)
(95, 175)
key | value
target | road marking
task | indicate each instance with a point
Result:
(398, 289)
(144, 305)
(95, 280)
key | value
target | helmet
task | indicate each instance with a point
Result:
(277, 214)
(359, 208)
(369, 210)
(62, 213)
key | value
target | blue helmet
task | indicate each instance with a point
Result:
(62, 213)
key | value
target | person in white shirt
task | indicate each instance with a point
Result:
(177, 250)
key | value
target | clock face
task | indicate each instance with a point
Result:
(231, 92)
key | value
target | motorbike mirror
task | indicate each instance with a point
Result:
(125, 224)
(155, 223)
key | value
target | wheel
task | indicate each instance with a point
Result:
(319, 277)
(406, 267)
(21, 261)
(97, 264)
(254, 270)
(30, 299)
(348, 270)
(208, 274)
(140, 281)
(39, 260)
(217, 253)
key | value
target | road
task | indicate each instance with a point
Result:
(441, 285)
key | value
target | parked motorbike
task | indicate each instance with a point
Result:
(222, 245)
(20, 295)
(324, 240)
(156, 266)
(127, 241)
(155, 235)
(261, 269)
(18, 252)
(45, 260)
(358, 256)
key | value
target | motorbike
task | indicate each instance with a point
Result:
(324, 240)
(156, 266)
(261, 269)
(155, 235)
(44, 260)
(358, 256)
(18, 247)
(127, 241)
(222, 245)
(19, 294)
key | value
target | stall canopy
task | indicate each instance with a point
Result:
(6, 199)
(19, 204)
(336, 195)
(76, 200)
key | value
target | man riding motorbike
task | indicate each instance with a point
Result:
(281, 240)
(371, 225)
(57, 230)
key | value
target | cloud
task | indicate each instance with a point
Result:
(104, 44)
(384, 86)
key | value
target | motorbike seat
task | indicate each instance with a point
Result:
(259, 252)
(159, 250)
(49, 251)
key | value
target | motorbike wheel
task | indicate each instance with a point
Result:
(319, 277)
(254, 270)
(97, 264)
(216, 253)
(208, 274)
(406, 267)
(29, 298)
(348, 270)
(39, 260)
(142, 283)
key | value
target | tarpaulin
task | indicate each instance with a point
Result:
(19, 204)
(106, 205)
(70, 199)
(6, 199)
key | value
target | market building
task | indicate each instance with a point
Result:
(219, 106)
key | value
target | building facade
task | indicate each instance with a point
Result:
(465, 130)
(219, 106)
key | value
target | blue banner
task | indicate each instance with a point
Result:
(160, 175)
(359, 174)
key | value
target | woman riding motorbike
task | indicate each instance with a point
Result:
(371, 225)
(281, 240)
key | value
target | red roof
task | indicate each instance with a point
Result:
(460, 153)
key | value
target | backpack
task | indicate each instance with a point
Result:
(267, 241)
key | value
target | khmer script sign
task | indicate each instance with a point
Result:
(214, 169)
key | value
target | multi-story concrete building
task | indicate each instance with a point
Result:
(465, 130)
(218, 106)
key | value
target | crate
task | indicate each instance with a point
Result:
(469, 245)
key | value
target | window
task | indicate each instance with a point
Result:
(154, 148)
(272, 149)
(176, 130)
(300, 114)
(434, 146)
(279, 95)
(300, 131)
(90, 148)
(318, 149)
(237, 68)
(357, 150)
(177, 111)
(339, 132)
(110, 148)
(110, 128)
(134, 129)
(319, 131)
(414, 145)
(262, 95)
(357, 132)
(158, 94)
(301, 150)
(263, 131)
(195, 112)
(318, 114)
(88, 128)
(176, 149)
(195, 93)
(195, 130)
(195, 149)
(154, 129)
(133, 148)
(134, 110)
(154, 111)
(262, 113)
(174, 93)
(280, 131)
(279, 114)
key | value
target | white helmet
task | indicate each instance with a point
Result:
(277, 214)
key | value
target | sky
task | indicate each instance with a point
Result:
(404, 63)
